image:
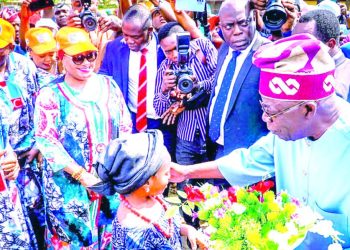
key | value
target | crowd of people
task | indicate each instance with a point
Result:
(99, 113)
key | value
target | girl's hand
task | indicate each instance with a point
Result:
(194, 237)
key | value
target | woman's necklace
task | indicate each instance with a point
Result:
(155, 224)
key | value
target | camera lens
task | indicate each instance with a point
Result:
(185, 84)
(275, 15)
(89, 22)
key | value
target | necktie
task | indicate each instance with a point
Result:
(141, 114)
(214, 128)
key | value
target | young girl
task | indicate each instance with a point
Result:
(138, 168)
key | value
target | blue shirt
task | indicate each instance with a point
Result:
(190, 120)
(315, 172)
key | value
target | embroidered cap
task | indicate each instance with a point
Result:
(7, 33)
(74, 41)
(40, 40)
(295, 68)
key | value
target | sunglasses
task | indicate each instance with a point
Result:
(79, 59)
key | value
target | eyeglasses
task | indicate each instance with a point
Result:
(79, 59)
(284, 111)
(242, 24)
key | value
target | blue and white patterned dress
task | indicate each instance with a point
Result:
(15, 229)
(72, 128)
(147, 238)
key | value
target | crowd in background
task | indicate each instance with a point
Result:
(74, 79)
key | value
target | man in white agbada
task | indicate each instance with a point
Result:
(308, 147)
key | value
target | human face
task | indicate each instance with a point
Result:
(286, 119)
(135, 35)
(308, 27)
(80, 72)
(160, 180)
(4, 53)
(61, 15)
(168, 45)
(237, 25)
(43, 61)
(16, 24)
(158, 20)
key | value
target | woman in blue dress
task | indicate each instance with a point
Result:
(76, 116)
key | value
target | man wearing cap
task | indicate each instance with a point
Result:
(18, 80)
(234, 113)
(308, 147)
(324, 25)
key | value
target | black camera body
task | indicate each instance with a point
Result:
(183, 74)
(88, 19)
(275, 15)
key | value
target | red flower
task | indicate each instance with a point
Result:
(232, 194)
(194, 194)
(262, 186)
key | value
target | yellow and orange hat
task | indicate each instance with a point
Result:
(40, 40)
(74, 41)
(7, 33)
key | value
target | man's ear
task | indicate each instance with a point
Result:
(332, 43)
(310, 109)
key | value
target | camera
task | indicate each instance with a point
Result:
(88, 19)
(183, 73)
(275, 15)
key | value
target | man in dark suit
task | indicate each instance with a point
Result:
(124, 60)
(234, 109)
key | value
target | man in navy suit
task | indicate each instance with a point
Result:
(122, 62)
(235, 113)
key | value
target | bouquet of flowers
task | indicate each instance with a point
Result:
(253, 218)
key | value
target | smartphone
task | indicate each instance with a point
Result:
(40, 4)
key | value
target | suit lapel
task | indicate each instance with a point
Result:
(221, 58)
(125, 53)
(243, 72)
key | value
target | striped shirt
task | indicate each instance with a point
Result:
(203, 69)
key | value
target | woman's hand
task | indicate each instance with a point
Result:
(88, 180)
(9, 165)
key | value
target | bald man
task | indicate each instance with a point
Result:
(234, 112)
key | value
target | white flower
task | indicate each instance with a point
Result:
(335, 246)
(238, 208)
(305, 216)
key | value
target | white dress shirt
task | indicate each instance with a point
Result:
(239, 62)
(134, 69)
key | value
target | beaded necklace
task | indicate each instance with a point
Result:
(155, 224)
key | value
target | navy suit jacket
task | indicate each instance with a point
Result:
(243, 125)
(116, 63)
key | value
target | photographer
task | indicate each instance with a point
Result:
(202, 59)
(276, 17)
